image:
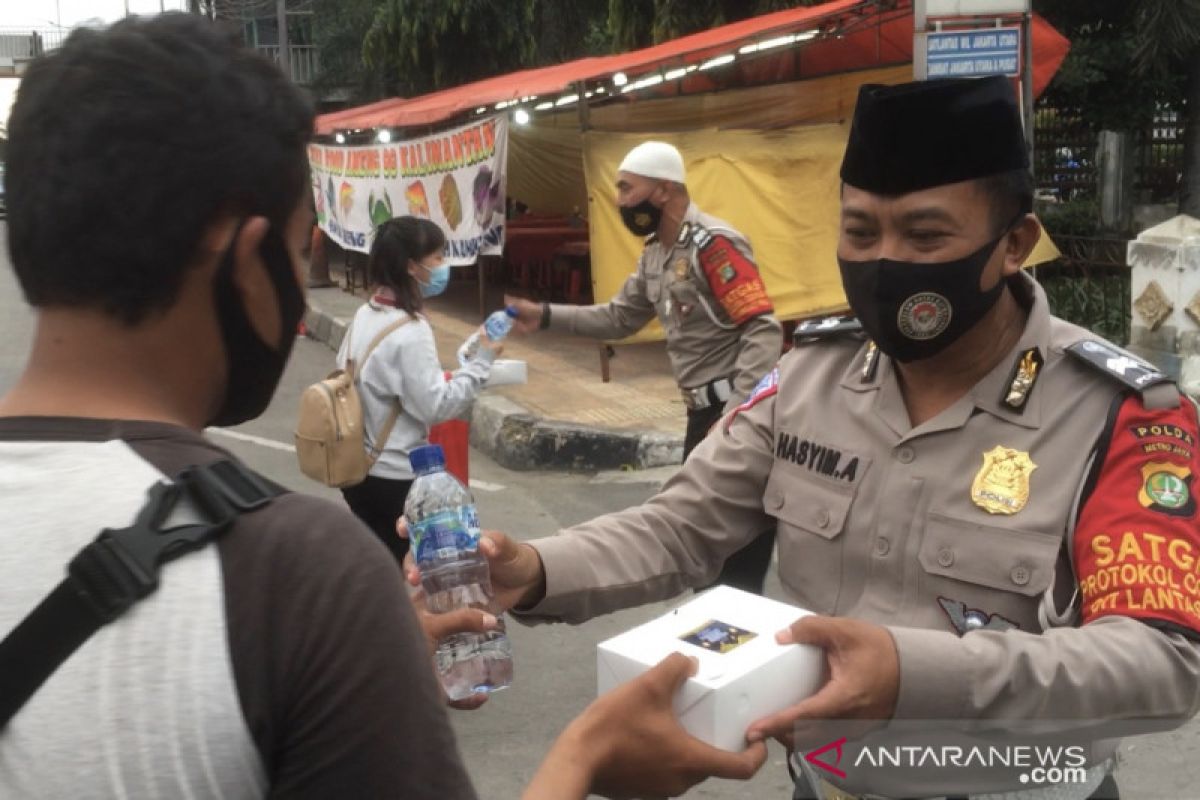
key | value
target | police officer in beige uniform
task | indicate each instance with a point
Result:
(990, 509)
(697, 275)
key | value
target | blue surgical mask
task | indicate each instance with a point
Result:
(438, 278)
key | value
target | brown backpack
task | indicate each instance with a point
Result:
(330, 440)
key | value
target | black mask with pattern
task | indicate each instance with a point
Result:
(642, 219)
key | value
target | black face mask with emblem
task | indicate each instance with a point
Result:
(913, 310)
(642, 219)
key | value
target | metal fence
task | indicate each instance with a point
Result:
(1065, 155)
(1159, 158)
(22, 44)
(1089, 285)
(301, 58)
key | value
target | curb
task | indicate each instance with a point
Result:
(517, 439)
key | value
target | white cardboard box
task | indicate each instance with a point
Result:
(506, 372)
(744, 675)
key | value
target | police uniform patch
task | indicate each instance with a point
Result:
(819, 458)
(742, 294)
(923, 316)
(812, 330)
(1125, 367)
(1167, 489)
(766, 387)
(966, 619)
(1136, 543)
(1164, 439)
(1002, 484)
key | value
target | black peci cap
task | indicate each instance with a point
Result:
(929, 133)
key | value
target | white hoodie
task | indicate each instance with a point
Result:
(405, 366)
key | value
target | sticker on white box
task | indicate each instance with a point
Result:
(744, 674)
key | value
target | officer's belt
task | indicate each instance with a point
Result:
(711, 394)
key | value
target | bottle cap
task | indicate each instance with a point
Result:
(511, 311)
(427, 458)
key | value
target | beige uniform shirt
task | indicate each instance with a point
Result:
(702, 342)
(876, 521)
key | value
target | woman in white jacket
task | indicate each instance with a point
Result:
(404, 267)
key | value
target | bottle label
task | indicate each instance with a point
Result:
(496, 326)
(445, 534)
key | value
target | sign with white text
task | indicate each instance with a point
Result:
(973, 53)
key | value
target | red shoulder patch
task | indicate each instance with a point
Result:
(734, 279)
(1137, 542)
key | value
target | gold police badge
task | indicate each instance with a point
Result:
(1002, 485)
(681, 268)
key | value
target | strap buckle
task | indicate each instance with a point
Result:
(120, 567)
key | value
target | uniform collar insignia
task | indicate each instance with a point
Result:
(685, 233)
(1026, 371)
(870, 363)
(966, 619)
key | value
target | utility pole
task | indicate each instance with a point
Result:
(285, 60)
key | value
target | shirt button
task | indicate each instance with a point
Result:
(823, 518)
(1020, 576)
(882, 546)
(945, 556)
(905, 455)
(776, 499)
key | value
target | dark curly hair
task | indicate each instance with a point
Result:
(126, 143)
(398, 241)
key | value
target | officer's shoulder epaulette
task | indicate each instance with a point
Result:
(1122, 366)
(815, 330)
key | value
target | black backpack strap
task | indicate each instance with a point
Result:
(121, 567)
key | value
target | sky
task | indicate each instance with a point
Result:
(43, 14)
(51, 13)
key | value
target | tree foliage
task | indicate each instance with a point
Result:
(1097, 76)
(421, 45)
(640, 23)
(377, 48)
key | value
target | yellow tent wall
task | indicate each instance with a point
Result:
(765, 159)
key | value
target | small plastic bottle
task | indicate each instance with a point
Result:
(496, 327)
(444, 528)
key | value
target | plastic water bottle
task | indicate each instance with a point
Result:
(444, 528)
(495, 327)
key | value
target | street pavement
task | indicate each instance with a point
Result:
(503, 742)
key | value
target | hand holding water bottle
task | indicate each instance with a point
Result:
(454, 575)
(494, 328)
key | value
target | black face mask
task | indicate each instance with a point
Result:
(913, 311)
(253, 368)
(642, 219)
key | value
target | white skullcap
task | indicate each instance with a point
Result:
(654, 160)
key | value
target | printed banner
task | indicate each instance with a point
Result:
(455, 178)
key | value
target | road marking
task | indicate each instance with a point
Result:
(482, 486)
(252, 439)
